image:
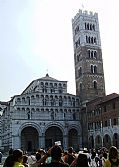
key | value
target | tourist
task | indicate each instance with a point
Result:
(55, 153)
(80, 161)
(112, 158)
(18, 158)
(25, 160)
(70, 156)
(9, 160)
(38, 157)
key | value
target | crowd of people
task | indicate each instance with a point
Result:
(57, 157)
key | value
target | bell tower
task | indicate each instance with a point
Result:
(89, 74)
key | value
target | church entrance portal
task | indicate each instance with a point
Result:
(52, 135)
(29, 139)
(73, 139)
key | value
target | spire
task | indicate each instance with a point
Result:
(47, 75)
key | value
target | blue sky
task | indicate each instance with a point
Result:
(36, 38)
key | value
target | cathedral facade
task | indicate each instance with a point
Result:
(42, 115)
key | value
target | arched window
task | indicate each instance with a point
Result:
(95, 69)
(86, 39)
(74, 116)
(95, 54)
(95, 41)
(90, 26)
(80, 86)
(80, 72)
(52, 115)
(92, 40)
(92, 54)
(95, 84)
(89, 53)
(77, 58)
(85, 26)
(92, 69)
(93, 27)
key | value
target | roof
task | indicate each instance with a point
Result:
(109, 97)
(48, 78)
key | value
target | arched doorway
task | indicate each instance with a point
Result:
(116, 140)
(52, 135)
(98, 141)
(73, 139)
(107, 141)
(29, 139)
(91, 142)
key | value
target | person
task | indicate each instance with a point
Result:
(94, 159)
(38, 157)
(25, 160)
(41, 151)
(9, 160)
(18, 158)
(69, 157)
(0, 157)
(103, 159)
(80, 161)
(112, 158)
(55, 153)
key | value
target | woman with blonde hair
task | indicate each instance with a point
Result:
(112, 160)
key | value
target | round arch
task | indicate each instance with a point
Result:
(98, 141)
(52, 135)
(107, 141)
(73, 138)
(116, 140)
(29, 139)
(91, 142)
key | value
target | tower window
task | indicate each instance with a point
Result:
(93, 27)
(95, 54)
(92, 54)
(89, 53)
(95, 69)
(95, 84)
(86, 39)
(92, 40)
(77, 58)
(90, 26)
(95, 41)
(85, 26)
(80, 72)
(80, 86)
(92, 69)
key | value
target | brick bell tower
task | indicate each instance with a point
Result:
(89, 74)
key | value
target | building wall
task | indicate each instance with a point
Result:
(103, 121)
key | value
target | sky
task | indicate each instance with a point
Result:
(36, 38)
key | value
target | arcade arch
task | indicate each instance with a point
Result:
(29, 139)
(52, 135)
(107, 141)
(73, 138)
